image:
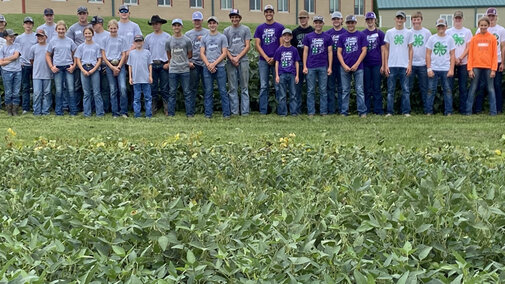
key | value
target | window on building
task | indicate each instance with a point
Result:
(448, 18)
(283, 5)
(196, 3)
(226, 4)
(359, 7)
(310, 6)
(94, 1)
(131, 2)
(255, 5)
(334, 5)
(477, 17)
(408, 22)
(164, 3)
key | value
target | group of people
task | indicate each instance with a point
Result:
(97, 62)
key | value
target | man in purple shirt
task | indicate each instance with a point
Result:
(352, 48)
(317, 64)
(334, 82)
(267, 38)
(373, 65)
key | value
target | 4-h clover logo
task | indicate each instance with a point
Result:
(458, 40)
(398, 39)
(284, 63)
(418, 40)
(440, 49)
(348, 48)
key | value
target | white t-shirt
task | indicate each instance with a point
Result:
(461, 38)
(399, 41)
(441, 48)
(419, 46)
(499, 32)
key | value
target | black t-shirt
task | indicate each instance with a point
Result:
(298, 35)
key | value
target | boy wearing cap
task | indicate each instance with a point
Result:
(462, 37)
(25, 41)
(11, 72)
(141, 76)
(267, 40)
(297, 41)
(335, 80)
(239, 43)
(100, 33)
(213, 52)
(421, 36)
(317, 65)
(126, 28)
(286, 74)
(155, 42)
(352, 48)
(179, 51)
(398, 62)
(42, 75)
(373, 65)
(49, 26)
(195, 63)
(440, 50)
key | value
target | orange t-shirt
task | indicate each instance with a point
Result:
(483, 52)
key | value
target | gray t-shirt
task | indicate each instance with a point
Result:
(179, 48)
(128, 31)
(195, 37)
(155, 43)
(8, 50)
(40, 68)
(237, 38)
(99, 38)
(25, 42)
(140, 60)
(88, 53)
(50, 31)
(75, 32)
(113, 47)
(62, 49)
(214, 45)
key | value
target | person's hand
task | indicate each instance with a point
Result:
(305, 70)
(131, 81)
(55, 69)
(500, 68)
(277, 79)
(450, 73)
(386, 71)
(409, 70)
(431, 74)
(296, 79)
(166, 65)
(150, 79)
(329, 71)
(471, 74)
(71, 68)
(493, 74)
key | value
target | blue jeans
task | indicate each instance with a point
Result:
(208, 100)
(321, 75)
(78, 91)
(26, 81)
(114, 83)
(299, 88)
(334, 84)
(41, 96)
(373, 93)
(183, 79)
(91, 88)
(238, 75)
(138, 89)
(12, 86)
(195, 76)
(432, 92)
(346, 91)
(159, 87)
(287, 83)
(265, 71)
(461, 73)
(104, 88)
(422, 76)
(479, 100)
(59, 77)
(400, 74)
(483, 74)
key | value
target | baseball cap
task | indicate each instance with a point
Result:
(96, 20)
(303, 14)
(401, 14)
(124, 9)
(350, 18)
(318, 18)
(82, 9)
(370, 15)
(458, 14)
(491, 11)
(235, 12)
(28, 19)
(138, 38)
(286, 31)
(336, 14)
(213, 18)
(48, 11)
(177, 21)
(10, 32)
(2, 18)
(41, 32)
(197, 16)
(441, 22)
(268, 7)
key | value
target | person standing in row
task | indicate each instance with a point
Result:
(11, 72)
(99, 37)
(267, 36)
(317, 65)
(155, 42)
(49, 26)
(335, 80)
(141, 76)
(42, 75)
(25, 41)
(287, 69)
(237, 67)
(299, 34)
(421, 36)
(126, 28)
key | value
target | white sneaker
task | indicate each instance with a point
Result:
(407, 115)
(25, 112)
(388, 115)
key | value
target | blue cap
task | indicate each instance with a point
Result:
(177, 21)
(197, 16)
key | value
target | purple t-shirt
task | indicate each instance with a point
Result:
(352, 45)
(287, 57)
(375, 41)
(335, 36)
(270, 36)
(318, 49)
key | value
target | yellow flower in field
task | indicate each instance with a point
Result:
(177, 136)
(497, 152)
(11, 132)
(100, 144)
(292, 135)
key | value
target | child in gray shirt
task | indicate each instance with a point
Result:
(141, 76)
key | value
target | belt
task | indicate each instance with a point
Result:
(159, 62)
(88, 65)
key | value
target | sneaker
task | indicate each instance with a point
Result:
(124, 115)
(388, 115)
(407, 115)
(25, 112)
(363, 115)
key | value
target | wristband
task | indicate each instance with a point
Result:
(429, 70)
